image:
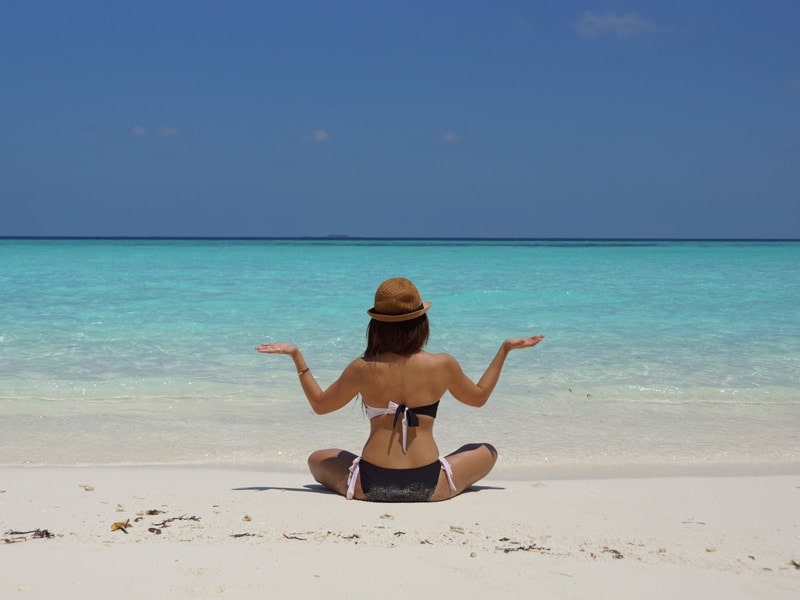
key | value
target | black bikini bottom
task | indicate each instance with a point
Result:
(399, 485)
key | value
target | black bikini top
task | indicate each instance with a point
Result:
(410, 415)
(428, 410)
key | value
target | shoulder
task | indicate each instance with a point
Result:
(354, 375)
(440, 360)
(356, 367)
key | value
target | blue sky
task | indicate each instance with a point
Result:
(410, 119)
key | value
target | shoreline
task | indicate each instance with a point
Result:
(513, 472)
(238, 532)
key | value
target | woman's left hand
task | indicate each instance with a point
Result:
(277, 348)
(517, 343)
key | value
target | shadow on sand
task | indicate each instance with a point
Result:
(321, 489)
(312, 487)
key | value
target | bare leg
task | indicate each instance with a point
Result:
(471, 463)
(331, 467)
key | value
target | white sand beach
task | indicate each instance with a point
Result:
(237, 533)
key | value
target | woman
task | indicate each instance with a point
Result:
(400, 385)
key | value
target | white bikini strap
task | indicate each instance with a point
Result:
(352, 477)
(405, 429)
(448, 470)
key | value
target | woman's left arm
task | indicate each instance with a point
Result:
(476, 394)
(339, 393)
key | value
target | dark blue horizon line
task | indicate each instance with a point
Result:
(335, 238)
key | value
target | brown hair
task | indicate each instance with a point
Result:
(404, 338)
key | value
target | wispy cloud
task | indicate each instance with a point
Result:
(450, 137)
(319, 136)
(524, 24)
(561, 148)
(785, 145)
(163, 131)
(794, 83)
(168, 131)
(593, 25)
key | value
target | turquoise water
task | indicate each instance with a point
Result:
(656, 354)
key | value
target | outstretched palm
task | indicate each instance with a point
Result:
(277, 348)
(517, 343)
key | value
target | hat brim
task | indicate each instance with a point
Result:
(398, 318)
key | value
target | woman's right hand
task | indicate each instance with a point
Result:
(277, 348)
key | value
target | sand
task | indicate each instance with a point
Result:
(238, 533)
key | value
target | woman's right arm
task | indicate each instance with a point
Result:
(339, 393)
(476, 394)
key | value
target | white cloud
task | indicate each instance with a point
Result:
(320, 136)
(561, 148)
(448, 137)
(163, 131)
(524, 24)
(592, 25)
(786, 145)
(168, 131)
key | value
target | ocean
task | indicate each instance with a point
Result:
(658, 357)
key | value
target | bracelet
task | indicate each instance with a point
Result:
(303, 372)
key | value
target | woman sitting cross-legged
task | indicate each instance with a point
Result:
(400, 385)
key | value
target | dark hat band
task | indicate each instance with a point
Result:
(389, 318)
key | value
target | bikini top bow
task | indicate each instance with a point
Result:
(410, 415)
(410, 419)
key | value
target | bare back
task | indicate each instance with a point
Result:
(414, 381)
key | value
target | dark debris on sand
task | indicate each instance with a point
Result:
(24, 536)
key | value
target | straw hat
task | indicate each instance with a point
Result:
(396, 300)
